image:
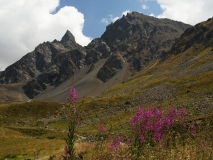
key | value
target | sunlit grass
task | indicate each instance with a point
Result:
(18, 146)
(28, 112)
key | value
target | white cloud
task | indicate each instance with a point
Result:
(190, 12)
(25, 24)
(152, 14)
(125, 12)
(144, 6)
(111, 18)
(105, 20)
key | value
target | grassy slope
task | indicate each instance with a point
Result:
(15, 145)
(183, 80)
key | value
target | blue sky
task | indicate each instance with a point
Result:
(95, 10)
(27, 23)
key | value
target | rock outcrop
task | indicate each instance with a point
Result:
(38, 61)
(113, 64)
(199, 35)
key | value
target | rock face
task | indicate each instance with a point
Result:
(199, 35)
(96, 50)
(113, 64)
(135, 39)
(141, 38)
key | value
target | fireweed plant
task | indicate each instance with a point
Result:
(72, 122)
(148, 127)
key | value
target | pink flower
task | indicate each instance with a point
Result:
(67, 155)
(116, 142)
(101, 128)
(149, 113)
(158, 113)
(168, 122)
(172, 112)
(158, 135)
(66, 150)
(158, 124)
(72, 95)
(138, 115)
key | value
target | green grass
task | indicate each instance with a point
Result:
(17, 145)
(24, 129)
(28, 112)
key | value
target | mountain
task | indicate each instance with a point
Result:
(126, 47)
(141, 38)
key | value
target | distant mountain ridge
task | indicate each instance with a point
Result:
(200, 35)
(126, 46)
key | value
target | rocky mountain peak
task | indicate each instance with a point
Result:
(68, 36)
(141, 27)
(68, 40)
